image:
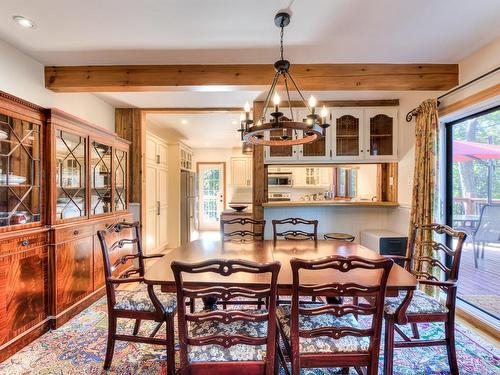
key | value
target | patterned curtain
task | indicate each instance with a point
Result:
(425, 180)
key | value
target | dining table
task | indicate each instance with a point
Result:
(160, 273)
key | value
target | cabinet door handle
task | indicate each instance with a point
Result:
(158, 208)
(157, 159)
(25, 243)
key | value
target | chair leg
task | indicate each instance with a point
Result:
(191, 305)
(482, 250)
(389, 345)
(414, 331)
(111, 342)
(475, 248)
(450, 347)
(345, 370)
(137, 325)
(170, 345)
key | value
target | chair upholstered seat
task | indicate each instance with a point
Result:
(138, 299)
(323, 344)
(421, 303)
(217, 353)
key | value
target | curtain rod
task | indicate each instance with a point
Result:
(413, 112)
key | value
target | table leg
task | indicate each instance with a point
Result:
(210, 303)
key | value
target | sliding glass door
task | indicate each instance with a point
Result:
(473, 205)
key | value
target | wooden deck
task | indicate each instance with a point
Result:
(482, 282)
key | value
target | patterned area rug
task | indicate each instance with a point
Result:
(78, 347)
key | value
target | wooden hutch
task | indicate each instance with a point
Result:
(61, 180)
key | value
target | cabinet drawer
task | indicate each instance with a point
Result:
(25, 242)
(70, 233)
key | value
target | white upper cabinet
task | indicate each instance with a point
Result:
(381, 141)
(241, 171)
(347, 129)
(315, 151)
(354, 135)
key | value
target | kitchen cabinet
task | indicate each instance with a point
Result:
(315, 151)
(355, 135)
(186, 157)
(241, 172)
(348, 134)
(381, 139)
(311, 177)
(156, 195)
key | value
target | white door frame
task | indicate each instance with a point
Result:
(222, 198)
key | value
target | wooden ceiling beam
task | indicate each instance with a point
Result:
(309, 77)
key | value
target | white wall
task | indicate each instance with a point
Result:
(224, 155)
(22, 76)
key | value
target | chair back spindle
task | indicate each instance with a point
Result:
(348, 308)
(241, 234)
(293, 233)
(226, 292)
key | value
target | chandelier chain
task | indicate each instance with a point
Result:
(281, 41)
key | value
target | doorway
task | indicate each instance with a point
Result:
(473, 205)
(212, 194)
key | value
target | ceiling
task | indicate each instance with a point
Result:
(228, 31)
(206, 130)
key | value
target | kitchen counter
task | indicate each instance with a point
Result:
(329, 203)
(231, 212)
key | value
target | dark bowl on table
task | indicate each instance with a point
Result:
(238, 207)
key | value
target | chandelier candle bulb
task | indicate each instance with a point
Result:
(312, 104)
(276, 102)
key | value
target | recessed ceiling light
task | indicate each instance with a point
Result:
(184, 122)
(23, 22)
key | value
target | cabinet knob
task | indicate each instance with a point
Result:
(25, 243)
(76, 232)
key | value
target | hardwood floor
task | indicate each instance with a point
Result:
(482, 282)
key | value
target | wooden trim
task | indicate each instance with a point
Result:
(471, 100)
(341, 103)
(322, 77)
(259, 175)
(191, 110)
(198, 163)
(17, 343)
(63, 317)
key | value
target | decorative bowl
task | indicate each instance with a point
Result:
(238, 207)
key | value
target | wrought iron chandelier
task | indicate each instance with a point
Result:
(312, 127)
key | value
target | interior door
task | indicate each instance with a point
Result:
(212, 192)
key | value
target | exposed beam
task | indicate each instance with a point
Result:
(312, 77)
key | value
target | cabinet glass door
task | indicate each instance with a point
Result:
(20, 169)
(70, 175)
(280, 152)
(347, 134)
(317, 150)
(100, 167)
(381, 134)
(120, 166)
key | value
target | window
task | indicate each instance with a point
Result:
(473, 205)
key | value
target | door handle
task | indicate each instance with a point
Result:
(158, 208)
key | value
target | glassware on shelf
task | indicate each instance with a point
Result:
(70, 175)
(100, 193)
(20, 172)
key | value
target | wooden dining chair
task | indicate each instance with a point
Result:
(140, 303)
(293, 234)
(328, 335)
(227, 341)
(241, 234)
(422, 308)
